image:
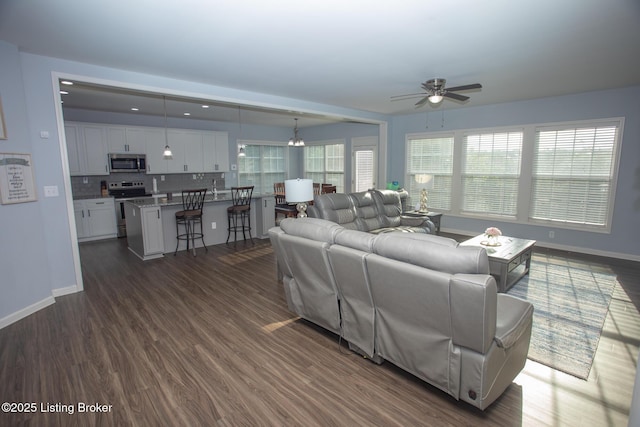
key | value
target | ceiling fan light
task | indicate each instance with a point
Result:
(291, 143)
(434, 99)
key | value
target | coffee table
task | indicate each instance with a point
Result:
(508, 262)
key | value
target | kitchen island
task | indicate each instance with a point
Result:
(151, 222)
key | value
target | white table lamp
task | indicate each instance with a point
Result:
(299, 191)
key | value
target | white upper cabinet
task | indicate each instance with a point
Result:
(194, 151)
(86, 149)
(125, 140)
(155, 141)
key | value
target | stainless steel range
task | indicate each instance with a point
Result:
(123, 191)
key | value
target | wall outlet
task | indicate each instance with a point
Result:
(161, 177)
(194, 176)
(51, 191)
(213, 225)
(552, 234)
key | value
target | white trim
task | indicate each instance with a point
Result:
(24, 312)
(66, 176)
(568, 248)
(59, 292)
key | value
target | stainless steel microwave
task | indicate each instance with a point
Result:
(119, 162)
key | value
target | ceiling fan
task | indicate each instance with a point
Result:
(435, 92)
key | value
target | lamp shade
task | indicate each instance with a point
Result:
(298, 190)
(426, 181)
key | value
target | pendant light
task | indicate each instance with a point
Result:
(241, 151)
(296, 141)
(167, 155)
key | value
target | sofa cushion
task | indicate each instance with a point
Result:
(389, 207)
(432, 252)
(335, 207)
(366, 211)
(311, 228)
(355, 239)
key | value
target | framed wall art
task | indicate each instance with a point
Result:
(17, 179)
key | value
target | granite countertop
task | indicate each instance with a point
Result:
(93, 196)
(162, 200)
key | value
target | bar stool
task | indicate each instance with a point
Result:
(239, 214)
(189, 216)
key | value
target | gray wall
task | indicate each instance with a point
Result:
(24, 264)
(623, 241)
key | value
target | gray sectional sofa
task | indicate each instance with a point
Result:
(373, 211)
(418, 301)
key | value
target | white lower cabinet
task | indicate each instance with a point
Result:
(95, 219)
(152, 231)
(144, 231)
(266, 215)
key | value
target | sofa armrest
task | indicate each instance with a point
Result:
(417, 221)
(514, 317)
(473, 299)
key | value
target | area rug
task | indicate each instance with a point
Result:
(570, 300)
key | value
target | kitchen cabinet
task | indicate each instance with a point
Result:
(125, 140)
(154, 149)
(145, 237)
(152, 231)
(95, 219)
(266, 215)
(216, 151)
(86, 149)
(194, 151)
(186, 147)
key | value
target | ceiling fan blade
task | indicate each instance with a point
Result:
(422, 101)
(408, 95)
(465, 87)
(455, 96)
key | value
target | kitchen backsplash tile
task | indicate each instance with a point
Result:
(171, 183)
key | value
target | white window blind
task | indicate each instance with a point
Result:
(490, 173)
(431, 156)
(364, 170)
(261, 166)
(573, 171)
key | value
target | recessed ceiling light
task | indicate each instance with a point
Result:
(64, 92)
(205, 106)
(135, 109)
(187, 114)
(66, 82)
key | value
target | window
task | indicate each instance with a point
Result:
(261, 166)
(325, 164)
(559, 174)
(573, 171)
(491, 173)
(431, 156)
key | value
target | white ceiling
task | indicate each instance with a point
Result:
(347, 53)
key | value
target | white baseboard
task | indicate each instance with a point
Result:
(578, 249)
(64, 291)
(21, 314)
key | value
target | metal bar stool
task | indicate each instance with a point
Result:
(189, 217)
(239, 214)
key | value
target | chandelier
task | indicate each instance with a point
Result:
(296, 141)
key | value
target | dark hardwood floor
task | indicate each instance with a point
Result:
(209, 341)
